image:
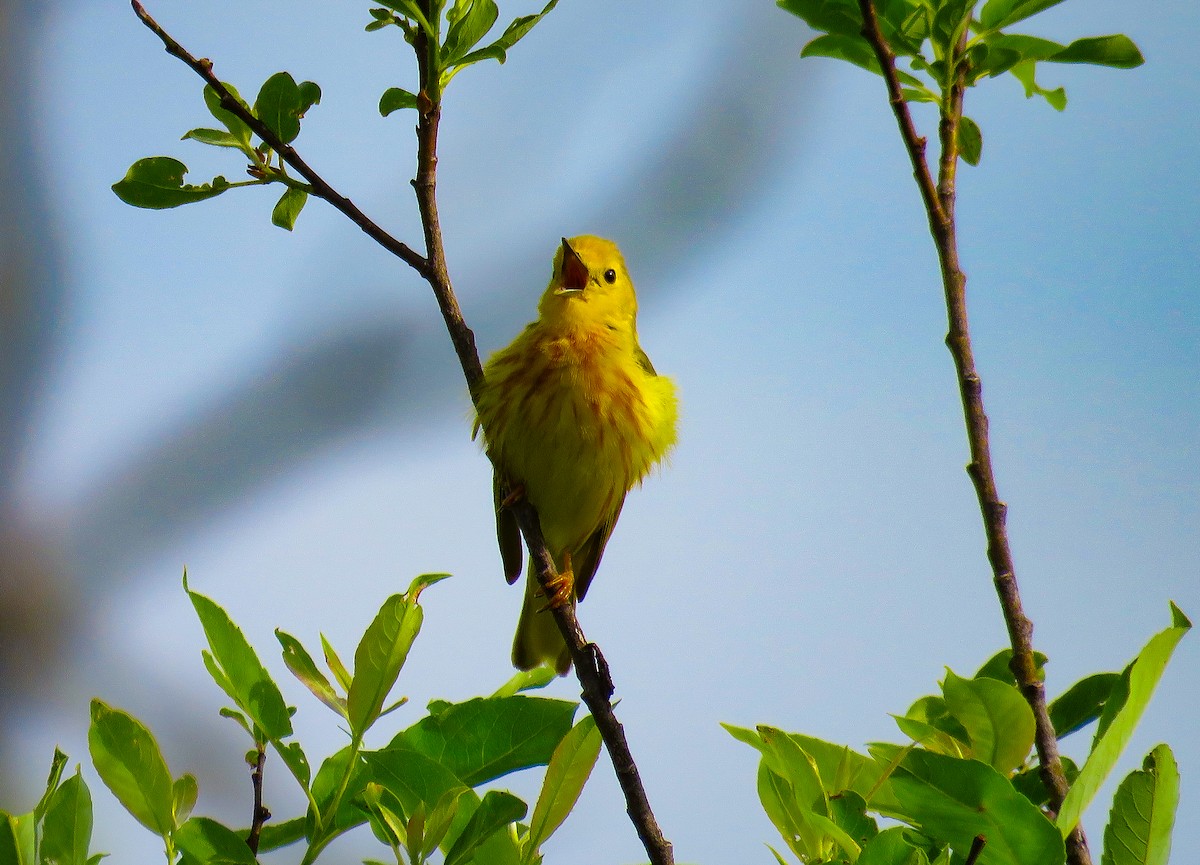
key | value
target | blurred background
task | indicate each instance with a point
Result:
(283, 415)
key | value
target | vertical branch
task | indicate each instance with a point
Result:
(261, 814)
(939, 205)
(590, 666)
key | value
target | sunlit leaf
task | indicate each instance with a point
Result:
(67, 826)
(156, 183)
(1147, 668)
(1143, 813)
(130, 764)
(568, 771)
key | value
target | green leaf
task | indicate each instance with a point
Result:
(1026, 48)
(827, 16)
(792, 763)
(236, 126)
(335, 664)
(156, 183)
(484, 738)
(130, 764)
(215, 137)
(495, 812)
(288, 207)
(999, 667)
(412, 777)
(380, 655)
(246, 681)
(310, 95)
(513, 34)
(1024, 72)
(527, 680)
(1143, 813)
(839, 767)
(395, 98)
(568, 771)
(996, 717)
(18, 839)
(956, 800)
(386, 822)
(853, 49)
(1118, 51)
(300, 662)
(440, 818)
(206, 842)
(928, 722)
(57, 764)
(281, 102)
(970, 144)
(416, 779)
(410, 10)
(951, 18)
(849, 811)
(184, 793)
(327, 786)
(998, 14)
(1029, 781)
(789, 817)
(1147, 668)
(467, 28)
(67, 827)
(520, 27)
(891, 847)
(1082, 703)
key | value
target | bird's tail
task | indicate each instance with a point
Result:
(538, 640)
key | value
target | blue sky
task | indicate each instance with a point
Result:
(282, 413)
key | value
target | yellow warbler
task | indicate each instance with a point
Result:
(573, 415)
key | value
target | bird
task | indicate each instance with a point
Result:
(573, 415)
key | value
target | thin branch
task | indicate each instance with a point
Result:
(320, 188)
(977, 845)
(939, 204)
(261, 814)
(590, 666)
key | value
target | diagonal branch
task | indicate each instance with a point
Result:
(590, 666)
(939, 205)
(287, 153)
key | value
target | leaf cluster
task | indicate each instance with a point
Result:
(949, 41)
(157, 182)
(420, 795)
(466, 23)
(967, 772)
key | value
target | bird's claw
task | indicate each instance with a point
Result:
(562, 587)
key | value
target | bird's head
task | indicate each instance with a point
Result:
(590, 284)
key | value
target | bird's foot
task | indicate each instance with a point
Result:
(562, 586)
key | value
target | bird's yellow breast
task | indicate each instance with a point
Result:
(571, 414)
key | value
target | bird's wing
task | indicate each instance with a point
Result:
(644, 362)
(587, 559)
(508, 533)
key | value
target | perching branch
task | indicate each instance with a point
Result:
(261, 814)
(590, 666)
(939, 201)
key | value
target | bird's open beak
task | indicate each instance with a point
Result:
(574, 276)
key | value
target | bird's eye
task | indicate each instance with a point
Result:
(610, 276)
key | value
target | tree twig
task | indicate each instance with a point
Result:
(590, 666)
(939, 201)
(287, 153)
(977, 845)
(261, 814)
